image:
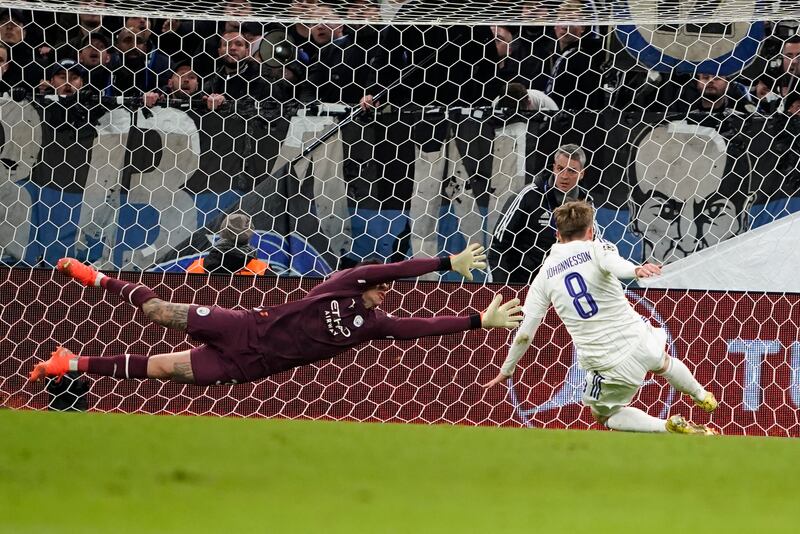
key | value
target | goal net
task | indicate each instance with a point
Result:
(385, 130)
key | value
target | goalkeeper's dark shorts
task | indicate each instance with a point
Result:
(229, 354)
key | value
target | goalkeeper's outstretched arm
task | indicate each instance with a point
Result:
(497, 315)
(472, 257)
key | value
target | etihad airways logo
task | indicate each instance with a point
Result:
(333, 320)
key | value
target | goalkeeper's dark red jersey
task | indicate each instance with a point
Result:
(332, 318)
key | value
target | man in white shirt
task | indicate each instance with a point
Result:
(615, 345)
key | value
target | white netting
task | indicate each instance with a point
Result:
(439, 12)
(126, 142)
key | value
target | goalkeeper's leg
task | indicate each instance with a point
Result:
(176, 366)
(160, 312)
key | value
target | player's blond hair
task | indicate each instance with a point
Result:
(573, 219)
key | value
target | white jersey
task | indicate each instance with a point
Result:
(581, 280)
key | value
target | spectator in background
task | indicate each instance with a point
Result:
(520, 54)
(518, 97)
(200, 39)
(311, 76)
(572, 74)
(232, 253)
(715, 94)
(21, 23)
(507, 66)
(238, 75)
(182, 90)
(68, 78)
(461, 70)
(251, 31)
(347, 61)
(12, 26)
(706, 93)
(764, 93)
(142, 67)
(790, 53)
(792, 103)
(65, 78)
(526, 232)
(4, 64)
(237, 11)
(184, 83)
(73, 29)
(23, 67)
(534, 46)
(94, 56)
(329, 42)
(187, 38)
(87, 23)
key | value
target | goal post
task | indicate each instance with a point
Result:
(131, 132)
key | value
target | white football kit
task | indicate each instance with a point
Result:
(615, 345)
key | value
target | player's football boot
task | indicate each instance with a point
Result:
(57, 365)
(84, 274)
(709, 402)
(677, 424)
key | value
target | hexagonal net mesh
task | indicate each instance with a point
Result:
(389, 130)
(440, 12)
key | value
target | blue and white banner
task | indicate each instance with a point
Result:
(720, 49)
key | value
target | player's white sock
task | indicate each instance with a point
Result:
(634, 420)
(97, 280)
(679, 376)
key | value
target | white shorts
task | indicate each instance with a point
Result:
(605, 392)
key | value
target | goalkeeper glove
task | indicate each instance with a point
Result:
(471, 257)
(507, 315)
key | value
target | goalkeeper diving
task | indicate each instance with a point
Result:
(246, 345)
(615, 345)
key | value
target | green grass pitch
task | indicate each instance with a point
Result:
(92, 473)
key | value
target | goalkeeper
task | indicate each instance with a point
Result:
(246, 345)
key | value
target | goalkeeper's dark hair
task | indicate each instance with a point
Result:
(573, 219)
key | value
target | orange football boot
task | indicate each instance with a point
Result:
(57, 365)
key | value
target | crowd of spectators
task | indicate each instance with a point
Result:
(77, 66)
(216, 62)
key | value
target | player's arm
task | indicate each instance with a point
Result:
(536, 304)
(497, 315)
(522, 340)
(610, 261)
(472, 257)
